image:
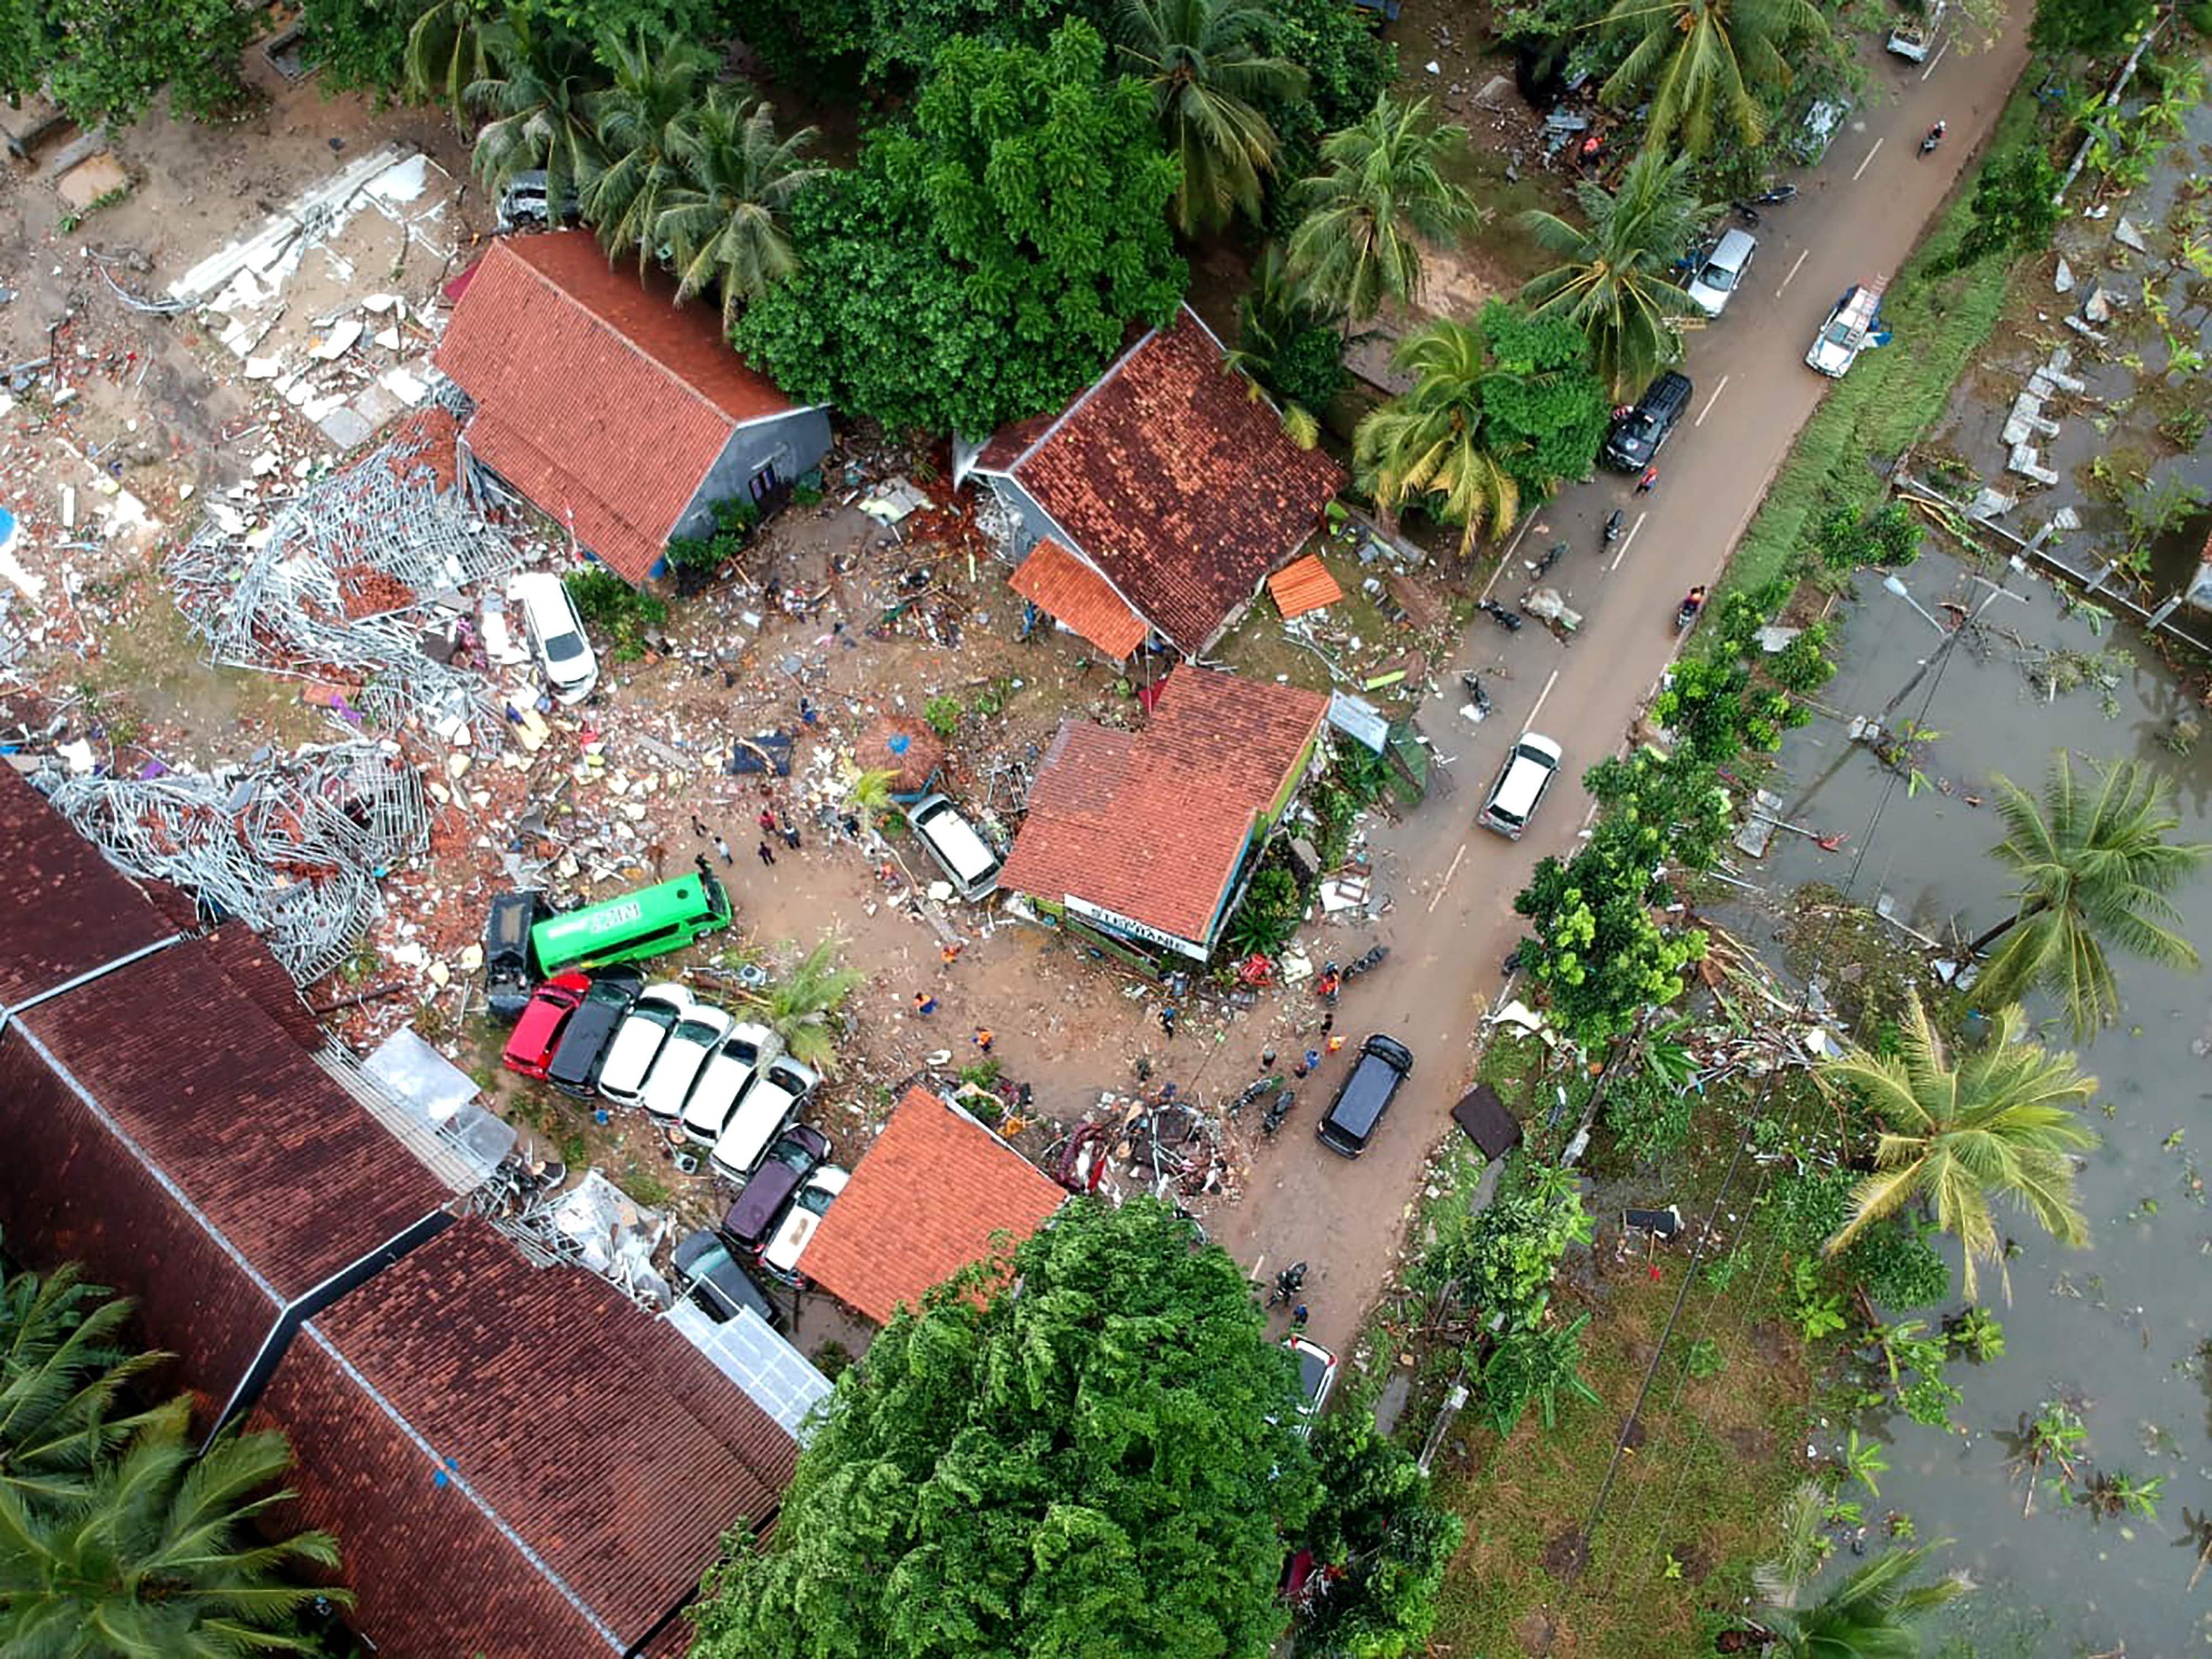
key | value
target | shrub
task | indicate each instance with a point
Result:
(1272, 910)
(1650, 1119)
(605, 600)
(943, 715)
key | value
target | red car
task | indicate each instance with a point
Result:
(537, 1033)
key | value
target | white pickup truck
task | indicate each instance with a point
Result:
(1913, 38)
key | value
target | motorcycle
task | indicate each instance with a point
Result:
(1685, 614)
(1935, 137)
(1546, 603)
(1748, 214)
(1477, 695)
(1779, 193)
(1613, 526)
(1552, 555)
(1371, 959)
(1253, 1091)
(1498, 614)
(1288, 1284)
(1278, 1109)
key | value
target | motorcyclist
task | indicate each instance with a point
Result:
(1935, 137)
(1693, 604)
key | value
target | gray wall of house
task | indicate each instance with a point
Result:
(1034, 524)
(794, 443)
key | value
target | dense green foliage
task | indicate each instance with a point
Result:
(2015, 205)
(1595, 946)
(1089, 1466)
(1703, 65)
(1500, 1261)
(1380, 1545)
(722, 214)
(2062, 27)
(1288, 345)
(105, 61)
(1385, 187)
(1534, 1367)
(1870, 1613)
(983, 263)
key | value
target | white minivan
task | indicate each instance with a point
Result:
(1721, 271)
(696, 1036)
(783, 1086)
(964, 856)
(638, 1040)
(724, 1080)
(557, 634)
(1521, 783)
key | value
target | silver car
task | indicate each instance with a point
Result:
(1721, 270)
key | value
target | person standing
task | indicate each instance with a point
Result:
(723, 847)
(924, 1005)
(1169, 1015)
(789, 831)
(767, 821)
(766, 857)
(984, 1038)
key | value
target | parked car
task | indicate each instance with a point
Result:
(506, 951)
(783, 1086)
(723, 1080)
(1637, 435)
(637, 1043)
(1824, 119)
(537, 1033)
(1913, 37)
(557, 634)
(1721, 271)
(1366, 1094)
(676, 1068)
(781, 1256)
(1522, 784)
(704, 1269)
(575, 1067)
(1844, 332)
(798, 1152)
(1316, 1376)
(965, 857)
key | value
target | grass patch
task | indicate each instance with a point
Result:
(1939, 320)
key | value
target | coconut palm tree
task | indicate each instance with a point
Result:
(63, 1368)
(1870, 1613)
(871, 796)
(2094, 867)
(1287, 344)
(1614, 279)
(639, 122)
(451, 46)
(1426, 447)
(1202, 60)
(1701, 62)
(161, 1556)
(798, 1006)
(1998, 1124)
(1385, 185)
(724, 217)
(537, 99)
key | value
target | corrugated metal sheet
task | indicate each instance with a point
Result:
(1303, 585)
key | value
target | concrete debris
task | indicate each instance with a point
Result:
(2097, 306)
(2064, 282)
(2127, 235)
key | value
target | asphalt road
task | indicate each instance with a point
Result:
(1857, 216)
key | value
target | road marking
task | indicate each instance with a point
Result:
(1792, 276)
(1869, 163)
(1936, 59)
(1710, 401)
(1627, 540)
(1541, 695)
(1449, 874)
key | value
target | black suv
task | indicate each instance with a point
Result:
(507, 976)
(1637, 435)
(1353, 1116)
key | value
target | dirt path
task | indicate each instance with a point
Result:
(1860, 212)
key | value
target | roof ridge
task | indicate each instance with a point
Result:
(1111, 372)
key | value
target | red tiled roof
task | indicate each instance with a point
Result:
(1069, 591)
(1175, 481)
(64, 909)
(1302, 586)
(908, 750)
(597, 396)
(1153, 826)
(921, 1205)
(609, 1446)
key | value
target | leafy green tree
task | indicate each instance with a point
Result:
(904, 37)
(2094, 866)
(723, 214)
(451, 46)
(1379, 1542)
(2015, 205)
(1385, 186)
(162, 1555)
(1102, 1463)
(1501, 406)
(1614, 280)
(1870, 1613)
(1677, 797)
(1348, 65)
(871, 795)
(1288, 345)
(1534, 1367)
(1207, 75)
(801, 1003)
(986, 263)
(1703, 63)
(1714, 708)
(63, 1369)
(640, 123)
(537, 99)
(358, 45)
(1602, 958)
(1500, 1261)
(2062, 29)
(105, 61)
(2000, 1122)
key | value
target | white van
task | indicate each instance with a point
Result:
(1521, 783)
(638, 1040)
(964, 856)
(557, 634)
(696, 1036)
(782, 1087)
(723, 1081)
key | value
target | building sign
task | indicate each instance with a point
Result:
(1359, 719)
(1133, 929)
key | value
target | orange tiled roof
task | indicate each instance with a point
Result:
(1069, 591)
(1152, 825)
(597, 397)
(1174, 480)
(921, 1205)
(1302, 585)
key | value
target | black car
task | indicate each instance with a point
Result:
(1637, 435)
(705, 1270)
(507, 975)
(1364, 1095)
(798, 1151)
(575, 1066)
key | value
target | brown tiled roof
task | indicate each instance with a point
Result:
(921, 1205)
(217, 1095)
(605, 1445)
(1175, 481)
(908, 750)
(244, 960)
(598, 397)
(64, 909)
(1302, 586)
(1071, 591)
(1152, 827)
